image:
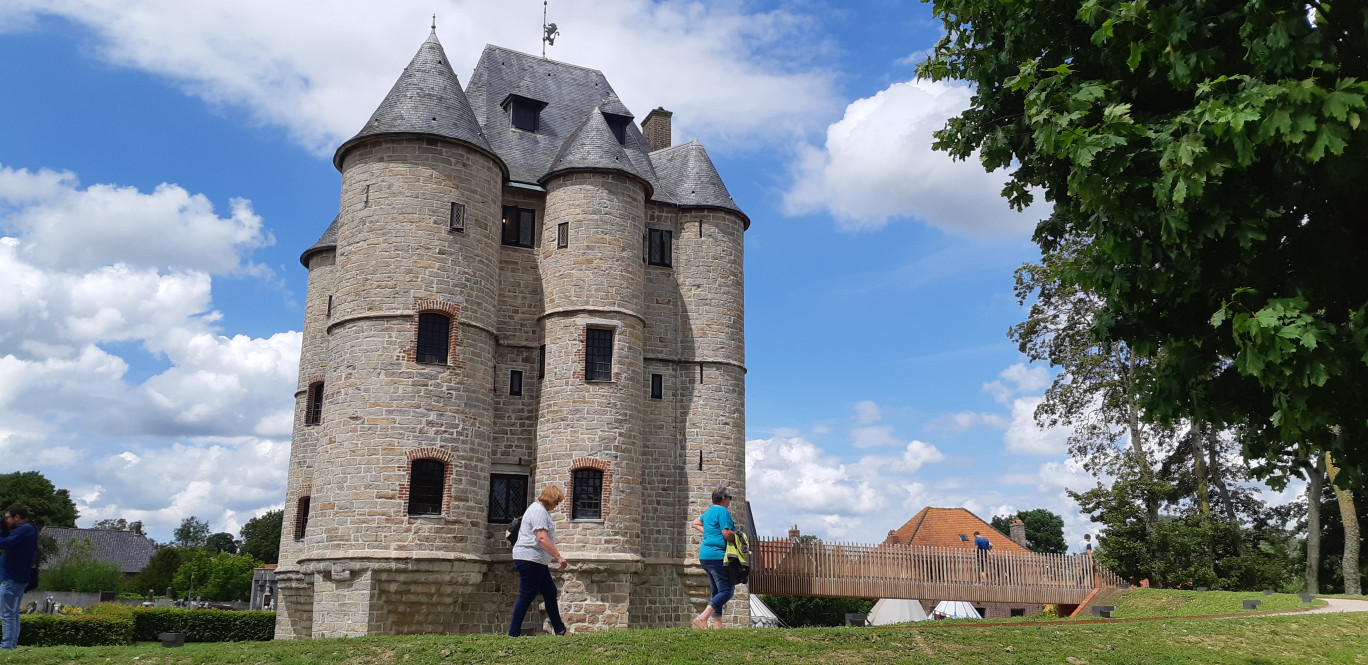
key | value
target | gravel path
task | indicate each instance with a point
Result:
(1341, 605)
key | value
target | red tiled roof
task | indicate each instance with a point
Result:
(941, 527)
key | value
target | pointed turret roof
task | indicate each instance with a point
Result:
(426, 100)
(325, 242)
(692, 179)
(593, 147)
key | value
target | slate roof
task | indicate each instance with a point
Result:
(130, 550)
(689, 174)
(570, 92)
(427, 99)
(941, 527)
(594, 147)
(327, 241)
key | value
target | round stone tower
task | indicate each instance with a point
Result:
(400, 465)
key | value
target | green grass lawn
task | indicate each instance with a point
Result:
(1172, 603)
(1325, 638)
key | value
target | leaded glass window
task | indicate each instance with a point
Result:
(507, 497)
(598, 354)
(427, 481)
(588, 500)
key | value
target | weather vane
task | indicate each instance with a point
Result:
(549, 31)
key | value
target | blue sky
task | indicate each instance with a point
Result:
(163, 164)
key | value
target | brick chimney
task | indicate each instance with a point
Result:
(656, 129)
(793, 532)
(892, 538)
(1018, 532)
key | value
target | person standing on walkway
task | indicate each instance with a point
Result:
(16, 564)
(981, 548)
(718, 529)
(533, 554)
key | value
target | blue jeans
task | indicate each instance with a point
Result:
(720, 582)
(11, 595)
(535, 579)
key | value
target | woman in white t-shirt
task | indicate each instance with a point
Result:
(533, 554)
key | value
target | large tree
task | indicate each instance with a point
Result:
(261, 536)
(192, 532)
(1044, 529)
(48, 506)
(1206, 158)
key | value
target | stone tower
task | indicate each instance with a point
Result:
(518, 291)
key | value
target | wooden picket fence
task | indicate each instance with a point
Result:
(853, 570)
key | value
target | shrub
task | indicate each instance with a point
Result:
(82, 630)
(813, 611)
(203, 625)
(76, 569)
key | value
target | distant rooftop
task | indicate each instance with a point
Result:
(131, 551)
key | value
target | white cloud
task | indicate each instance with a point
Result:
(1025, 437)
(1022, 378)
(318, 68)
(966, 420)
(868, 437)
(877, 164)
(867, 412)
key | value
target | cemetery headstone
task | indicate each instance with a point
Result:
(1252, 604)
(1104, 611)
(1200, 588)
(1306, 597)
(853, 619)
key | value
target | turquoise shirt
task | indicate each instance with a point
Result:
(714, 546)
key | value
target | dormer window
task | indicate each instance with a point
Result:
(618, 124)
(523, 112)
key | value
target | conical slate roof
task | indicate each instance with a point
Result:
(693, 180)
(427, 99)
(594, 147)
(325, 242)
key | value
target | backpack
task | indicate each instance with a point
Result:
(511, 534)
(738, 558)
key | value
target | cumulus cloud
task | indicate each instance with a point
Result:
(867, 412)
(966, 420)
(877, 164)
(318, 68)
(68, 327)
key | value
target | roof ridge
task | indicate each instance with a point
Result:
(489, 47)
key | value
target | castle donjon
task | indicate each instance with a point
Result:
(521, 288)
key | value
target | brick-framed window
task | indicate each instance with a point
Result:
(515, 382)
(301, 522)
(434, 337)
(457, 219)
(519, 226)
(507, 497)
(660, 250)
(587, 502)
(598, 354)
(657, 386)
(563, 235)
(427, 486)
(313, 409)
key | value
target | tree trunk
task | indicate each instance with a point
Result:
(1315, 484)
(1351, 531)
(1138, 446)
(1214, 468)
(1197, 436)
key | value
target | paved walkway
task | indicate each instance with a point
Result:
(1341, 605)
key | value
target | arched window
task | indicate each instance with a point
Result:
(587, 503)
(427, 481)
(313, 413)
(434, 336)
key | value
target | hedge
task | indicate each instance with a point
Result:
(203, 625)
(106, 624)
(81, 630)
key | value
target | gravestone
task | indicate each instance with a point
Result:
(1268, 592)
(1200, 588)
(1252, 604)
(1104, 611)
(853, 619)
(1306, 597)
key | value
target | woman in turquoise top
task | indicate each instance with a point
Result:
(718, 529)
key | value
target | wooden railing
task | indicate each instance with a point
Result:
(851, 570)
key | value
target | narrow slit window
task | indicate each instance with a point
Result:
(427, 480)
(541, 362)
(515, 383)
(519, 226)
(434, 336)
(657, 386)
(660, 247)
(301, 525)
(598, 354)
(507, 497)
(313, 414)
(457, 220)
(700, 372)
(329, 313)
(563, 235)
(588, 494)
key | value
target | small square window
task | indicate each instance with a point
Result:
(523, 112)
(657, 386)
(659, 247)
(598, 354)
(457, 220)
(563, 235)
(515, 383)
(519, 226)
(1018, 611)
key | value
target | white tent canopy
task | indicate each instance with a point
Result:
(956, 609)
(761, 615)
(889, 611)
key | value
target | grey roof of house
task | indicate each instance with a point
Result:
(594, 147)
(692, 178)
(570, 92)
(129, 550)
(427, 99)
(327, 241)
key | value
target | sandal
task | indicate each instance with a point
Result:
(700, 624)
